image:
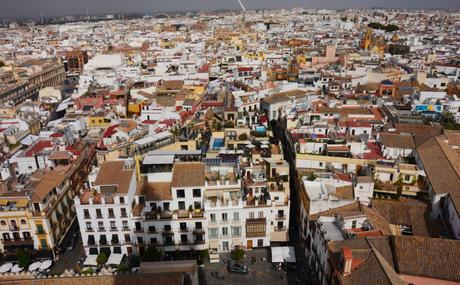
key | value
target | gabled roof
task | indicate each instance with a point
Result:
(442, 167)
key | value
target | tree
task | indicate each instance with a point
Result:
(311, 177)
(102, 258)
(202, 256)
(237, 254)
(151, 254)
(23, 258)
(448, 121)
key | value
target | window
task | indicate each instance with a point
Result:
(320, 164)
(140, 240)
(261, 215)
(213, 217)
(181, 205)
(23, 222)
(152, 229)
(183, 239)
(41, 231)
(180, 193)
(112, 225)
(123, 213)
(236, 216)
(3, 223)
(127, 238)
(183, 226)
(91, 240)
(224, 217)
(124, 224)
(196, 192)
(122, 200)
(213, 233)
(236, 231)
(111, 215)
(260, 242)
(89, 227)
(225, 231)
(166, 206)
(153, 206)
(407, 178)
(153, 241)
(197, 205)
(100, 226)
(86, 214)
(98, 214)
(353, 224)
(115, 239)
(43, 243)
(198, 225)
(251, 215)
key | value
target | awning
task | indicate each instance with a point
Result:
(158, 159)
(115, 259)
(22, 203)
(91, 260)
(283, 254)
(3, 202)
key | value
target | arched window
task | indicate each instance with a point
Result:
(3, 223)
(23, 222)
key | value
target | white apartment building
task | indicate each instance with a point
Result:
(192, 207)
(172, 215)
(104, 212)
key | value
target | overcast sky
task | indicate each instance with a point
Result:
(27, 8)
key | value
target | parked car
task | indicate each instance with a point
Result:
(238, 268)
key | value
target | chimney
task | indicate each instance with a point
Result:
(347, 260)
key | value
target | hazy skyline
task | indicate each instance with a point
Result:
(33, 8)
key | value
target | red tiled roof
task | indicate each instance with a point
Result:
(110, 131)
(168, 122)
(57, 135)
(149, 122)
(375, 152)
(39, 146)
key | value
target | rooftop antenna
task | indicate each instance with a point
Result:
(41, 15)
(87, 13)
(242, 6)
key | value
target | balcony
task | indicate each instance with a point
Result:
(139, 230)
(18, 241)
(113, 229)
(168, 243)
(153, 231)
(111, 216)
(226, 221)
(102, 229)
(256, 221)
(89, 230)
(198, 231)
(125, 228)
(183, 230)
(168, 232)
(98, 216)
(200, 241)
(87, 217)
(280, 229)
(40, 232)
(280, 217)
